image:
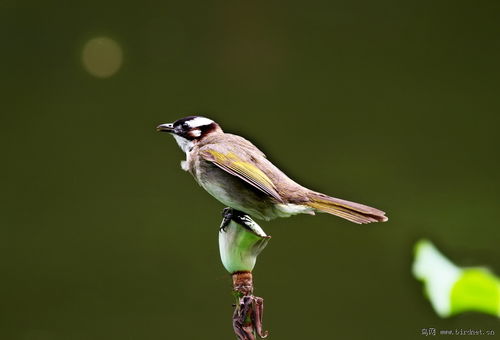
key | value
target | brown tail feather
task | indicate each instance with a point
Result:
(351, 211)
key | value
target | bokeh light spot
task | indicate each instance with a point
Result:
(102, 57)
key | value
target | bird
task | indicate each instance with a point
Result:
(239, 175)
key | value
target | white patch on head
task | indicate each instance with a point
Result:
(184, 144)
(195, 133)
(199, 121)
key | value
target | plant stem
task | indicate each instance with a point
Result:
(240, 241)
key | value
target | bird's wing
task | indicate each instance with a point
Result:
(240, 167)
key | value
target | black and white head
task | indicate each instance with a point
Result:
(189, 130)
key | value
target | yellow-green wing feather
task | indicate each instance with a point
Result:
(245, 170)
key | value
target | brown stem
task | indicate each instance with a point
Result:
(247, 316)
(243, 282)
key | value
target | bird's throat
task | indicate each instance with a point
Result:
(185, 144)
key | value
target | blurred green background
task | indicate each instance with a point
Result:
(103, 236)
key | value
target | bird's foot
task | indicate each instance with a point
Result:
(227, 216)
(230, 214)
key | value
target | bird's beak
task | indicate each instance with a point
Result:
(165, 127)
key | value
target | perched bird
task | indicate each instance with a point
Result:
(239, 175)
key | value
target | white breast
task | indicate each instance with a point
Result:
(218, 192)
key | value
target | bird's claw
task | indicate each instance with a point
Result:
(227, 216)
(230, 214)
(241, 218)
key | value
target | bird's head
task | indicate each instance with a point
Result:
(189, 130)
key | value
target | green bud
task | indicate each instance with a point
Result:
(240, 242)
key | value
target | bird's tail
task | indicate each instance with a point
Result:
(351, 211)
